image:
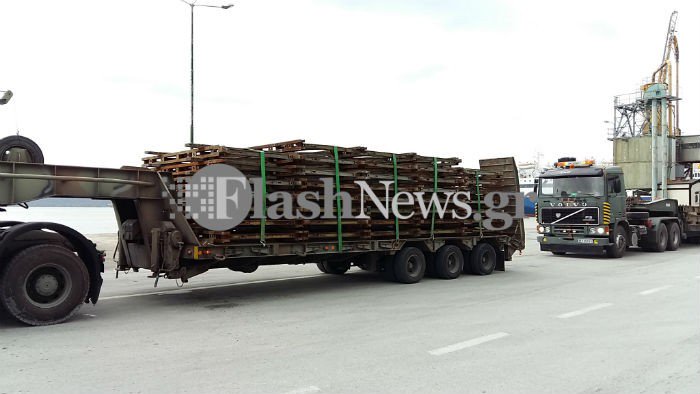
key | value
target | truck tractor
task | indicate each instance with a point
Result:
(584, 208)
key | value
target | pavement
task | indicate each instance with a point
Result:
(549, 324)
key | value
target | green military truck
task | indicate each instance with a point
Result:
(584, 208)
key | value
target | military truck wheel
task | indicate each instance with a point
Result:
(19, 142)
(44, 284)
(409, 265)
(336, 267)
(483, 259)
(659, 244)
(619, 243)
(449, 262)
(674, 237)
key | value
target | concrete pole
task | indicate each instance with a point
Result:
(664, 148)
(654, 120)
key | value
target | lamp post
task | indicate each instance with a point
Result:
(192, 5)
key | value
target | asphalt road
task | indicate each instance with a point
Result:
(547, 325)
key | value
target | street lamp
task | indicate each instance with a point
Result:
(192, 5)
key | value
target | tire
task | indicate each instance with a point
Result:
(44, 284)
(336, 267)
(321, 267)
(619, 246)
(18, 141)
(661, 241)
(449, 262)
(674, 236)
(409, 265)
(483, 259)
(559, 253)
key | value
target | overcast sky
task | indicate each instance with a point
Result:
(97, 83)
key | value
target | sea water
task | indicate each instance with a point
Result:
(86, 220)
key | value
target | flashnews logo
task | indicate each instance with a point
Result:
(219, 197)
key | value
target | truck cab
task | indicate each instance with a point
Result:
(579, 207)
(584, 208)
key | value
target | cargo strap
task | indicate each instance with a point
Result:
(338, 203)
(396, 191)
(263, 178)
(435, 187)
(478, 204)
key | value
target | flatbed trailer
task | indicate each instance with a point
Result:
(48, 270)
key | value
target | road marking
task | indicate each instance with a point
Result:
(584, 310)
(304, 390)
(467, 344)
(117, 297)
(654, 290)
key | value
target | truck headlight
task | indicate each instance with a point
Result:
(540, 229)
(599, 230)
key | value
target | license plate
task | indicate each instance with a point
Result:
(585, 241)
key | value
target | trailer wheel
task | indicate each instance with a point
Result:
(44, 284)
(409, 265)
(448, 262)
(483, 259)
(661, 241)
(335, 267)
(674, 236)
(619, 246)
(321, 267)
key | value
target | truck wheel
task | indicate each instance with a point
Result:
(44, 284)
(559, 253)
(661, 241)
(619, 246)
(321, 267)
(483, 259)
(409, 265)
(449, 262)
(336, 267)
(674, 236)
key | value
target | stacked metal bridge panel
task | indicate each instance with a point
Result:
(296, 167)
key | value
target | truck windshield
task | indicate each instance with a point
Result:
(572, 186)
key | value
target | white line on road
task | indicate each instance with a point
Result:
(654, 290)
(466, 344)
(304, 390)
(116, 297)
(584, 310)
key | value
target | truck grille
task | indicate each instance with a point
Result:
(582, 215)
(568, 230)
